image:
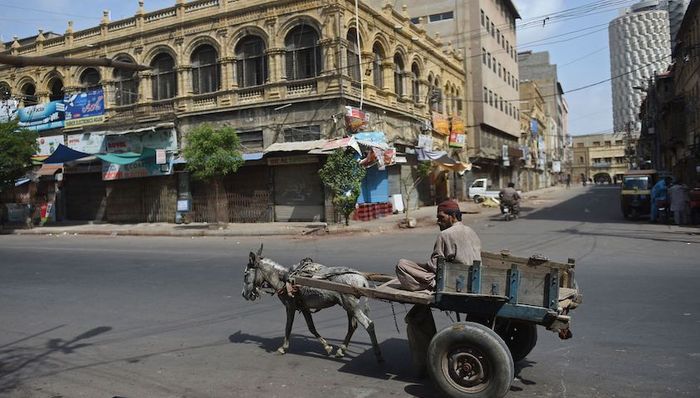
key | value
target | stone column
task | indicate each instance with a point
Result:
(145, 87)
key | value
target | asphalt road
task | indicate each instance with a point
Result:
(163, 317)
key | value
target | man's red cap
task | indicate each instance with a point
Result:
(448, 205)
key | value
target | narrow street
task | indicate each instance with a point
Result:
(164, 317)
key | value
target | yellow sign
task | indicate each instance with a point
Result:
(441, 124)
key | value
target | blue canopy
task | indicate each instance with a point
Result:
(63, 154)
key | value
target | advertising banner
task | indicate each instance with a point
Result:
(556, 166)
(425, 141)
(48, 144)
(458, 137)
(376, 137)
(504, 155)
(85, 108)
(87, 142)
(534, 127)
(441, 124)
(355, 119)
(8, 110)
(43, 116)
(137, 169)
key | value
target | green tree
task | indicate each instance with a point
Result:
(342, 174)
(17, 148)
(213, 152)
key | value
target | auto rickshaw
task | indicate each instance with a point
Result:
(635, 195)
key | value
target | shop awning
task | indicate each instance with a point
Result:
(246, 157)
(48, 169)
(63, 154)
(444, 162)
(302, 146)
(141, 130)
(127, 158)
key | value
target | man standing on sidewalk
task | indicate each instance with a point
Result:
(456, 242)
(659, 193)
(680, 202)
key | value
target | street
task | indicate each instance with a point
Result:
(163, 317)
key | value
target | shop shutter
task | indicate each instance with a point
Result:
(298, 193)
(375, 186)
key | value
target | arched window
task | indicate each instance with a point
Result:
(377, 73)
(28, 91)
(205, 70)
(56, 89)
(164, 79)
(90, 78)
(303, 57)
(436, 96)
(251, 62)
(398, 75)
(5, 91)
(126, 86)
(415, 82)
(353, 52)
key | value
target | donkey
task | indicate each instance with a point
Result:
(262, 271)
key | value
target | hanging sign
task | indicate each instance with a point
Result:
(355, 119)
(441, 124)
(504, 155)
(87, 142)
(457, 133)
(425, 141)
(48, 144)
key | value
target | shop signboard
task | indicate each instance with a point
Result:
(85, 108)
(355, 119)
(41, 117)
(8, 110)
(137, 169)
(287, 160)
(87, 142)
(534, 127)
(136, 141)
(48, 144)
(504, 155)
(441, 124)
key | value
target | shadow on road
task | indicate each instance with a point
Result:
(18, 363)
(599, 204)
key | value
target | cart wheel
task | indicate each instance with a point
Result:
(520, 337)
(467, 359)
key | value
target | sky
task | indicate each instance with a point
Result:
(582, 57)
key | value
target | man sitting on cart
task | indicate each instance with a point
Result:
(456, 242)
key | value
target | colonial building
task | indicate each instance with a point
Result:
(282, 73)
(602, 158)
(485, 31)
(534, 138)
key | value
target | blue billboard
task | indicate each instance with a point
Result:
(42, 117)
(85, 108)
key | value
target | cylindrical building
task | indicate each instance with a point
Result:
(640, 46)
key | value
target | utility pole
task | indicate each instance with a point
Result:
(630, 150)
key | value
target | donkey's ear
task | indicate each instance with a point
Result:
(260, 250)
(252, 257)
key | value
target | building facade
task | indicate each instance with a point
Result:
(534, 139)
(483, 30)
(282, 73)
(670, 139)
(536, 67)
(640, 46)
(601, 158)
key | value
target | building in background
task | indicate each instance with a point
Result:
(534, 125)
(484, 30)
(282, 75)
(640, 46)
(601, 158)
(536, 67)
(670, 138)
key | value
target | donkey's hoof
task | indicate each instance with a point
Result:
(340, 353)
(281, 351)
(329, 349)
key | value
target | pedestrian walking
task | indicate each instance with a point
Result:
(680, 202)
(568, 180)
(658, 194)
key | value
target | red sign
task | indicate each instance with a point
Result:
(355, 119)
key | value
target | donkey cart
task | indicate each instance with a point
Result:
(501, 300)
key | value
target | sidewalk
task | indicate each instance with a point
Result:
(425, 217)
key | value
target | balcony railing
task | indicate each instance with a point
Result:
(601, 165)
